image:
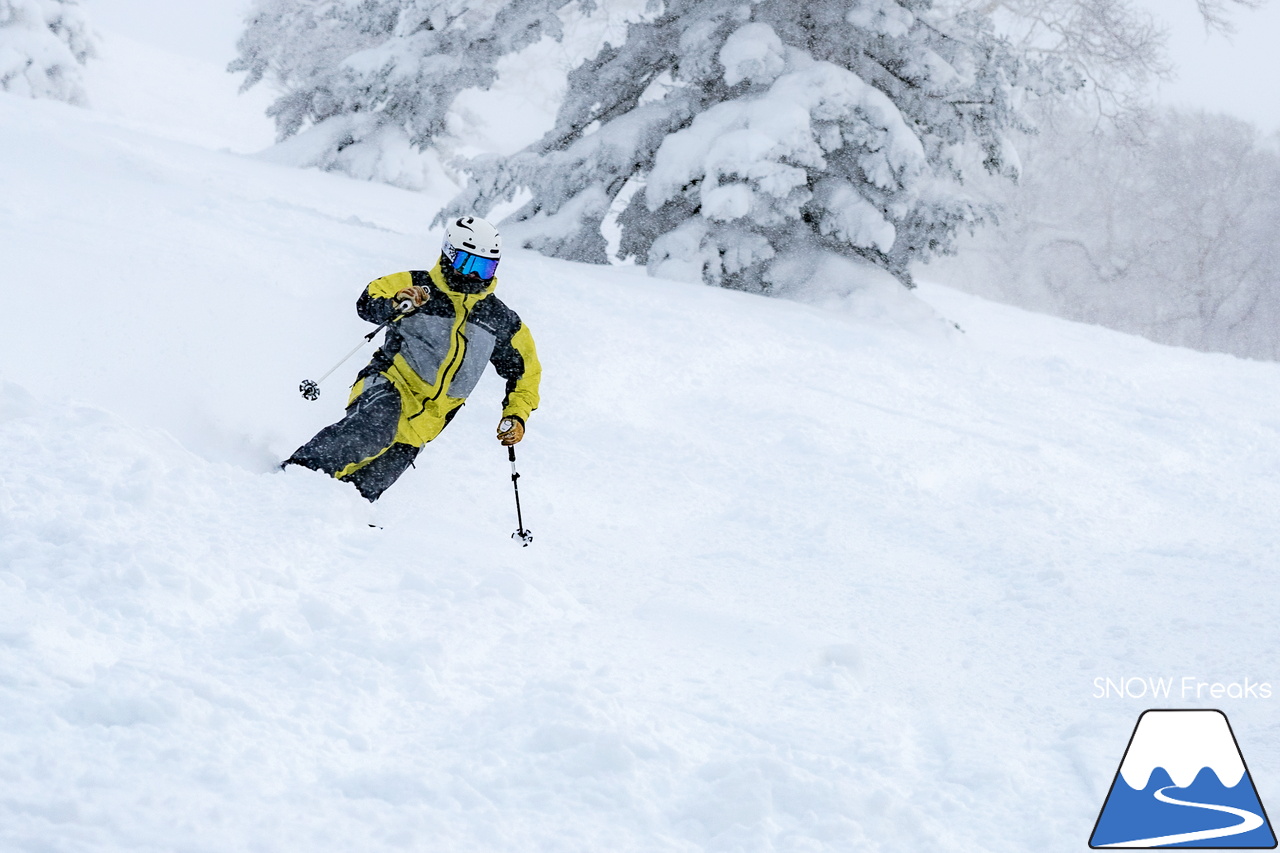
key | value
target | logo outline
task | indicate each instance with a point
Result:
(1117, 778)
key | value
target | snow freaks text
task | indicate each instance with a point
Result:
(1184, 687)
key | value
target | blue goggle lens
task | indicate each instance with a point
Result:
(466, 263)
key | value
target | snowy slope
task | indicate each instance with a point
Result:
(174, 96)
(801, 579)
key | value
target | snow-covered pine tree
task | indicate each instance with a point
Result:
(750, 135)
(366, 82)
(43, 46)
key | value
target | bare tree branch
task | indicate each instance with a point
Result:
(1217, 13)
(1117, 47)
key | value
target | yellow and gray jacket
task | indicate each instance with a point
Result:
(436, 355)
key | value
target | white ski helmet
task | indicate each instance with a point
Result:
(472, 245)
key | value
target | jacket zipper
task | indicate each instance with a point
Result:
(455, 363)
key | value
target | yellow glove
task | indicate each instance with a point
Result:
(510, 431)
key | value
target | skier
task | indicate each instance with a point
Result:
(445, 324)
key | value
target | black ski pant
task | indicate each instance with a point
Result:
(366, 431)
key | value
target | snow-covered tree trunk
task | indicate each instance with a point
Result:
(44, 45)
(366, 84)
(741, 141)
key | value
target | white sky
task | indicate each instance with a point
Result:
(1240, 76)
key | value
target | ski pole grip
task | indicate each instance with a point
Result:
(511, 452)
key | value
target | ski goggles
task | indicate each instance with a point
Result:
(466, 263)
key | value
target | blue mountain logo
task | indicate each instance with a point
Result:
(1183, 783)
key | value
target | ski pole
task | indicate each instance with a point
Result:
(310, 390)
(523, 535)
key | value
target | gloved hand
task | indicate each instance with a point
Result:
(510, 431)
(411, 297)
